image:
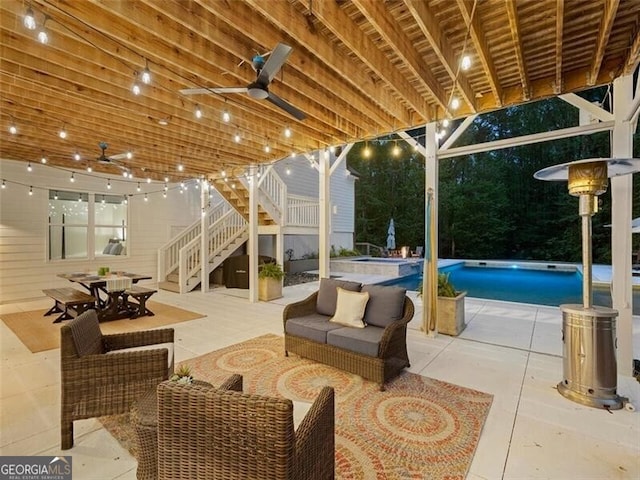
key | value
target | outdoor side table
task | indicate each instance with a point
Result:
(144, 416)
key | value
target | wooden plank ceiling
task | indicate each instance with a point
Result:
(358, 69)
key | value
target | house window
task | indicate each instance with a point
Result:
(86, 225)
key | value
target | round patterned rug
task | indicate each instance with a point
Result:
(418, 428)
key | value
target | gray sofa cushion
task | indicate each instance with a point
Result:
(313, 327)
(386, 304)
(361, 340)
(328, 294)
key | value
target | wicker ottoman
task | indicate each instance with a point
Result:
(144, 416)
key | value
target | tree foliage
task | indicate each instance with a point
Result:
(489, 204)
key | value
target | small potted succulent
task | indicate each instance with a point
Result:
(182, 375)
(270, 277)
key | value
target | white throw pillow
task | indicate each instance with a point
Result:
(350, 308)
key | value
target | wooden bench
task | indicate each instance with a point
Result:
(141, 295)
(69, 301)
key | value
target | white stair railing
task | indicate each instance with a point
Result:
(222, 233)
(303, 211)
(168, 254)
(273, 192)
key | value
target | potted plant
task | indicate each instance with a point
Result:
(270, 277)
(450, 306)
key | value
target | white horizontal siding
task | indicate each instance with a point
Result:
(24, 268)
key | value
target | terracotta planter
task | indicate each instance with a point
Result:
(451, 314)
(269, 289)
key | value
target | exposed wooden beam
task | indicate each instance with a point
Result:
(287, 18)
(557, 87)
(514, 24)
(425, 19)
(606, 25)
(380, 18)
(633, 57)
(349, 33)
(583, 104)
(481, 46)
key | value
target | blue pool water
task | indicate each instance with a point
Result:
(540, 287)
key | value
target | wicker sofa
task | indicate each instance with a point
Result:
(205, 433)
(377, 352)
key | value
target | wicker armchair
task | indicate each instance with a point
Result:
(98, 379)
(206, 433)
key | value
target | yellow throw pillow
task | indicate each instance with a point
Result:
(350, 308)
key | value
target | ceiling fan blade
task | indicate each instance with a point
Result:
(229, 90)
(287, 107)
(120, 156)
(195, 91)
(274, 63)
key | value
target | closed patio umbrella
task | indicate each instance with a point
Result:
(391, 236)
(430, 273)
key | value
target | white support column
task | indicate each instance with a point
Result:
(324, 190)
(204, 237)
(430, 185)
(280, 247)
(253, 235)
(621, 199)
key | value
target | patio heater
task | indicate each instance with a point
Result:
(590, 372)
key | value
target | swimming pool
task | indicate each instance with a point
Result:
(538, 286)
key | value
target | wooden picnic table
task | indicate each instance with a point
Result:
(111, 304)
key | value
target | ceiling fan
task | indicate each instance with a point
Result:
(266, 70)
(112, 159)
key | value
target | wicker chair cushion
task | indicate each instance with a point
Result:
(350, 308)
(386, 305)
(328, 294)
(313, 327)
(365, 341)
(168, 346)
(87, 337)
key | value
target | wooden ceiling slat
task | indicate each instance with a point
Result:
(558, 34)
(606, 24)
(334, 18)
(633, 57)
(514, 24)
(425, 18)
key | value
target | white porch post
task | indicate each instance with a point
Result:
(621, 195)
(430, 185)
(253, 235)
(204, 237)
(325, 213)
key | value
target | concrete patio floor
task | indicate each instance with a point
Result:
(513, 351)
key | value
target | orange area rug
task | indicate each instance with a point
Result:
(419, 428)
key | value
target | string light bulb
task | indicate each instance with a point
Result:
(148, 180)
(13, 129)
(129, 154)
(73, 177)
(455, 103)
(55, 195)
(366, 153)
(108, 184)
(445, 122)
(4, 184)
(146, 73)
(146, 197)
(267, 148)
(180, 167)
(29, 167)
(125, 174)
(396, 149)
(465, 63)
(29, 20)
(43, 159)
(198, 112)
(138, 187)
(89, 169)
(164, 194)
(226, 116)
(287, 132)
(43, 36)
(288, 170)
(76, 156)
(30, 190)
(135, 88)
(237, 138)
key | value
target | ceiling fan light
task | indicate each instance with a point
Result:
(29, 20)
